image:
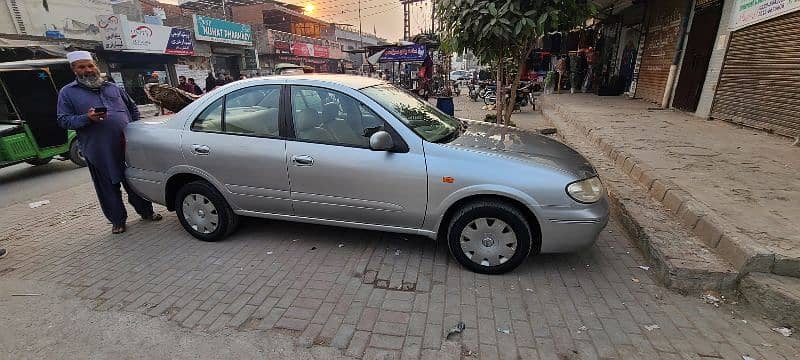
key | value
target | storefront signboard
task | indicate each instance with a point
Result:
(123, 35)
(303, 49)
(749, 12)
(404, 53)
(321, 51)
(218, 30)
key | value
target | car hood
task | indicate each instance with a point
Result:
(523, 145)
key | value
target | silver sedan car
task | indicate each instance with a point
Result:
(359, 152)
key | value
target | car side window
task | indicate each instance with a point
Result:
(253, 111)
(328, 116)
(211, 118)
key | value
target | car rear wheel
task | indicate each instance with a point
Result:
(204, 213)
(489, 237)
(37, 161)
(75, 154)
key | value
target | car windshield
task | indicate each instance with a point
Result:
(424, 119)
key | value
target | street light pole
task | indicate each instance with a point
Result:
(224, 12)
(361, 37)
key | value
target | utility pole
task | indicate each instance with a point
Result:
(433, 16)
(224, 11)
(361, 38)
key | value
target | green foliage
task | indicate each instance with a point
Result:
(497, 29)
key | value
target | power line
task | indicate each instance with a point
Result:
(354, 10)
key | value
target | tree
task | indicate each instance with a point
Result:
(502, 33)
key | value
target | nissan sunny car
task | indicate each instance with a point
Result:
(359, 152)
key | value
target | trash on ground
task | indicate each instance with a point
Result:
(457, 329)
(636, 280)
(313, 248)
(767, 345)
(31, 294)
(528, 289)
(645, 268)
(652, 327)
(37, 204)
(548, 131)
(397, 252)
(711, 299)
(294, 240)
(269, 252)
(341, 245)
(783, 331)
(744, 321)
(746, 357)
(583, 328)
(504, 330)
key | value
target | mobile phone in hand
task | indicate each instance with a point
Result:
(100, 110)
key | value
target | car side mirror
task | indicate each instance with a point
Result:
(381, 141)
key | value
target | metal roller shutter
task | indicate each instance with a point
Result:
(664, 19)
(759, 85)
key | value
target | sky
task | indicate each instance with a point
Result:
(384, 16)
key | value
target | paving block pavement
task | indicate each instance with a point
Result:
(368, 300)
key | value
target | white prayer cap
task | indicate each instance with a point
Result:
(78, 55)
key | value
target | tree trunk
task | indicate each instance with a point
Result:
(498, 104)
(512, 100)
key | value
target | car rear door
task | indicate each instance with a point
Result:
(333, 173)
(237, 141)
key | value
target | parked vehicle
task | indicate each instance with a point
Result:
(29, 131)
(359, 152)
(523, 97)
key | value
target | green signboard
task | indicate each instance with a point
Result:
(217, 30)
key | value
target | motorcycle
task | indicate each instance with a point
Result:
(472, 92)
(523, 98)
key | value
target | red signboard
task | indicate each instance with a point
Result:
(321, 51)
(282, 47)
(303, 49)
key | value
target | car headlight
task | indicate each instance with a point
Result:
(586, 191)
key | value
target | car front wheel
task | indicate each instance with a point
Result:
(204, 213)
(489, 237)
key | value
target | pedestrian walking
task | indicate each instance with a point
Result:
(99, 112)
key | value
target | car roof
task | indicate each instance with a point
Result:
(351, 81)
(32, 64)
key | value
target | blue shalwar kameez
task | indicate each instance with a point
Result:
(103, 143)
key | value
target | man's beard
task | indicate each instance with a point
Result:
(91, 81)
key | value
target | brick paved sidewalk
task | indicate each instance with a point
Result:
(375, 295)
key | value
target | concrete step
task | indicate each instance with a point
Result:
(717, 233)
(776, 296)
(680, 260)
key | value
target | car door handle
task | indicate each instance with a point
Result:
(200, 149)
(302, 160)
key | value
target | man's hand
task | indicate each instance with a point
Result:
(95, 116)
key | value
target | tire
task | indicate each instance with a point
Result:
(38, 162)
(490, 98)
(490, 222)
(75, 154)
(204, 213)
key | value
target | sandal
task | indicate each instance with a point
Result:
(152, 217)
(118, 229)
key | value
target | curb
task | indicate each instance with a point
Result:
(672, 254)
(710, 228)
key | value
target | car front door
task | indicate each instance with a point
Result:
(237, 141)
(333, 173)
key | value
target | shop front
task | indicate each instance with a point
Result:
(758, 83)
(134, 51)
(322, 55)
(231, 45)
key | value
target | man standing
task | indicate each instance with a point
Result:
(195, 88)
(99, 112)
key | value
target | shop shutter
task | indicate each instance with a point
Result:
(759, 85)
(664, 19)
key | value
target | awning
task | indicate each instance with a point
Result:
(56, 50)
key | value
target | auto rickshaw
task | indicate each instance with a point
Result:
(29, 131)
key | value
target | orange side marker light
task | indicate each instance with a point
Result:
(448, 180)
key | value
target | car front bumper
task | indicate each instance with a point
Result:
(567, 229)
